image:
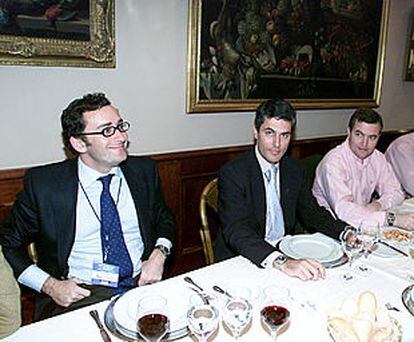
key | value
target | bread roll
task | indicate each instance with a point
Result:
(367, 305)
(363, 328)
(341, 330)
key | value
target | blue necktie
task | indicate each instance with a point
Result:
(274, 214)
(114, 248)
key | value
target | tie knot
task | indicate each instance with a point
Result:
(106, 180)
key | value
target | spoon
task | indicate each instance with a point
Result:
(191, 281)
(220, 290)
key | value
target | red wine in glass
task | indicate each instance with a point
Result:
(275, 317)
(153, 327)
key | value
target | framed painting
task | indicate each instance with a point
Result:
(409, 63)
(315, 53)
(69, 33)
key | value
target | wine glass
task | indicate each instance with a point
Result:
(237, 314)
(370, 230)
(275, 313)
(369, 233)
(352, 244)
(203, 320)
(153, 322)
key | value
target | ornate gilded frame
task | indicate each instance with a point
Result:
(409, 58)
(98, 52)
(196, 104)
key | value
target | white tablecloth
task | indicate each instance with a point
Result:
(308, 312)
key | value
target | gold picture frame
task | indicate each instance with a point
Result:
(97, 50)
(218, 52)
(409, 59)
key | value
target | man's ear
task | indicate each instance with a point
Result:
(255, 133)
(78, 144)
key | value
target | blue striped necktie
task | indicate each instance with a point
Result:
(275, 226)
(114, 248)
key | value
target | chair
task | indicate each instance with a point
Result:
(208, 199)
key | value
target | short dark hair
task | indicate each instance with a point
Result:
(72, 116)
(275, 108)
(367, 115)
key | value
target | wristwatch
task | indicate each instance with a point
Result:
(279, 261)
(390, 218)
(164, 250)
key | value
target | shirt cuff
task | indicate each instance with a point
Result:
(164, 242)
(33, 277)
(268, 262)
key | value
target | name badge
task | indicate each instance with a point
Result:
(105, 274)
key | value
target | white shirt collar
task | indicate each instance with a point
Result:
(88, 176)
(264, 164)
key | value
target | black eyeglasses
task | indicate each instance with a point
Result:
(110, 130)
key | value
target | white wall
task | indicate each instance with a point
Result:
(149, 87)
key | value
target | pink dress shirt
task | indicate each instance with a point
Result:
(400, 154)
(344, 185)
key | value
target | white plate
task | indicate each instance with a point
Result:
(316, 246)
(403, 209)
(125, 309)
(385, 252)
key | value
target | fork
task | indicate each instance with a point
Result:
(390, 307)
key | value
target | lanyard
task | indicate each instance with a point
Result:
(106, 235)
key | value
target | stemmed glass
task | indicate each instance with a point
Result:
(203, 320)
(352, 244)
(237, 314)
(370, 230)
(153, 322)
(275, 313)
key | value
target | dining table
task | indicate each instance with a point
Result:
(311, 301)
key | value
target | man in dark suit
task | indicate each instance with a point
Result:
(91, 243)
(251, 223)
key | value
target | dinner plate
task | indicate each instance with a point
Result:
(407, 298)
(125, 309)
(127, 335)
(316, 246)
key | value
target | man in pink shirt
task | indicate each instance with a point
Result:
(400, 154)
(352, 172)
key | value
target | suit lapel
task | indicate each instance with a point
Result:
(257, 190)
(284, 185)
(139, 193)
(66, 218)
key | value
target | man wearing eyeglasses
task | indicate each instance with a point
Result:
(99, 221)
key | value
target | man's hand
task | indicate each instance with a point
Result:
(152, 269)
(64, 292)
(305, 269)
(374, 206)
(405, 221)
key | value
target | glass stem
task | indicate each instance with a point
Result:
(273, 335)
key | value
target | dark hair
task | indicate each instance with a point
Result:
(275, 108)
(366, 115)
(72, 116)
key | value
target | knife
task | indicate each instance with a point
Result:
(394, 248)
(105, 336)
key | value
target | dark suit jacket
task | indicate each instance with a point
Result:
(242, 207)
(45, 212)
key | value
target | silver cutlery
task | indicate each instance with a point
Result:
(198, 289)
(104, 334)
(220, 290)
(390, 307)
(394, 248)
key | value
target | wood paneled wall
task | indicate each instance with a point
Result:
(184, 175)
